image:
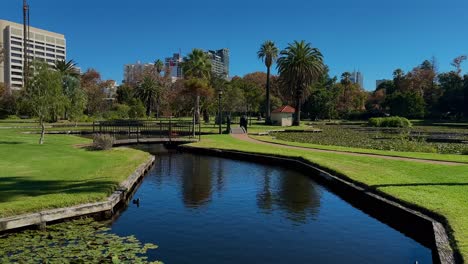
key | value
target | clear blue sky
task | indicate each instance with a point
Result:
(374, 36)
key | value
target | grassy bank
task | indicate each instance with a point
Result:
(439, 188)
(57, 174)
(417, 155)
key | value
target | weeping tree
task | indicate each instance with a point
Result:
(44, 94)
(299, 65)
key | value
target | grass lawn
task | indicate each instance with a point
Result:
(418, 155)
(57, 174)
(439, 188)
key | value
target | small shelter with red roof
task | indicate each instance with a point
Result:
(283, 116)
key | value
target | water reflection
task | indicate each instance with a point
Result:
(196, 181)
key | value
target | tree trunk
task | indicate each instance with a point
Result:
(206, 116)
(41, 139)
(148, 108)
(197, 110)
(297, 117)
(268, 107)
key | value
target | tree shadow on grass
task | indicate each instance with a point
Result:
(12, 187)
(420, 184)
(10, 142)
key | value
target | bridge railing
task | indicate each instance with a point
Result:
(163, 128)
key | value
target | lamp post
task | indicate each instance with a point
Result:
(220, 117)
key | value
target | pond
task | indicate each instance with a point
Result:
(201, 209)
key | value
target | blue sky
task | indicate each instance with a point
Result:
(373, 36)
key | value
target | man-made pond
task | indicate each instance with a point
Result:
(201, 209)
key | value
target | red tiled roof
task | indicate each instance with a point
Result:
(285, 109)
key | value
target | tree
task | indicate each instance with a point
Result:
(92, 84)
(148, 91)
(398, 76)
(159, 66)
(197, 87)
(44, 94)
(457, 63)
(66, 68)
(268, 53)
(125, 94)
(406, 104)
(76, 98)
(299, 66)
(452, 101)
(197, 66)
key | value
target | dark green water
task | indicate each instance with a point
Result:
(200, 209)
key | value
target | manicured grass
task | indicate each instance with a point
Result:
(57, 174)
(417, 155)
(439, 188)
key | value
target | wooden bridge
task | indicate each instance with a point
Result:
(167, 131)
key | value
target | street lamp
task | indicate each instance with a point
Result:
(220, 117)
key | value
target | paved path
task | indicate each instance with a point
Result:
(245, 137)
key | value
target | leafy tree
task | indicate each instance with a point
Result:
(268, 53)
(452, 100)
(197, 87)
(92, 84)
(44, 94)
(76, 98)
(406, 104)
(457, 63)
(125, 94)
(299, 66)
(137, 109)
(159, 66)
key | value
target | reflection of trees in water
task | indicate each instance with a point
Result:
(196, 180)
(295, 194)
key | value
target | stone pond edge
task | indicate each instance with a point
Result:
(108, 206)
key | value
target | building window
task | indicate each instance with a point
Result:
(49, 49)
(16, 43)
(17, 49)
(61, 51)
(39, 47)
(50, 55)
(16, 61)
(16, 73)
(17, 79)
(15, 67)
(16, 55)
(40, 53)
(42, 43)
(51, 61)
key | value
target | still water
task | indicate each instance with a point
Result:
(201, 209)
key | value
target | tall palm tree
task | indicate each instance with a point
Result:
(197, 65)
(398, 76)
(299, 66)
(159, 66)
(268, 53)
(148, 91)
(346, 82)
(66, 68)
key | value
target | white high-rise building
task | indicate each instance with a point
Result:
(42, 45)
(134, 72)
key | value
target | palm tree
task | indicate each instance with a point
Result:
(398, 76)
(299, 66)
(159, 66)
(197, 65)
(198, 87)
(148, 91)
(66, 68)
(268, 53)
(346, 82)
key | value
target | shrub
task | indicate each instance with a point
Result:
(394, 121)
(103, 141)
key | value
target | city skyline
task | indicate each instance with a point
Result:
(377, 48)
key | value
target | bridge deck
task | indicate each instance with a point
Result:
(133, 141)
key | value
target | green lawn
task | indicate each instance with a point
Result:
(57, 174)
(439, 188)
(417, 155)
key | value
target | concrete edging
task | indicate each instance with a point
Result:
(52, 215)
(414, 221)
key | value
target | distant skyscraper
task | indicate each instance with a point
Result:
(357, 77)
(175, 64)
(379, 82)
(219, 62)
(134, 72)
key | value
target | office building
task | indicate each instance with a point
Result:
(174, 63)
(219, 62)
(134, 72)
(42, 45)
(357, 78)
